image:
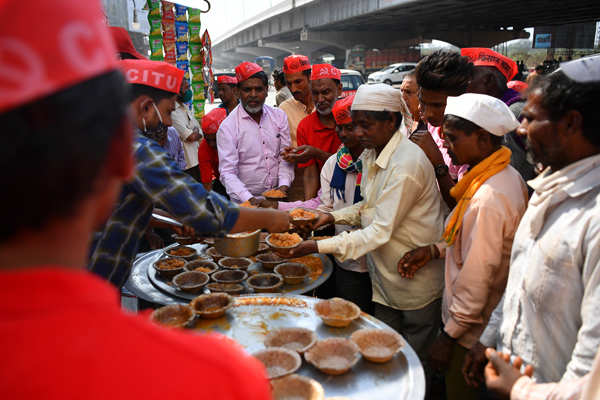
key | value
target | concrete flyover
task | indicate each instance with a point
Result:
(313, 27)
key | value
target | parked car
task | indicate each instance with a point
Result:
(351, 80)
(392, 74)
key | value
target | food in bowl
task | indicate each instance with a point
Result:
(170, 263)
(283, 240)
(300, 213)
(247, 204)
(235, 262)
(297, 387)
(191, 281)
(181, 251)
(275, 194)
(206, 266)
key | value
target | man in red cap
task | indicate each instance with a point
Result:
(63, 333)
(159, 182)
(228, 92)
(251, 139)
(491, 75)
(208, 158)
(124, 45)
(296, 73)
(317, 138)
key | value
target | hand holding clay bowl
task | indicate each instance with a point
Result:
(279, 361)
(283, 241)
(212, 305)
(296, 339)
(275, 194)
(297, 387)
(337, 312)
(303, 218)
(377, 345)
(333, 356)
(173, 316)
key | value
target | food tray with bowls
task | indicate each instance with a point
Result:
(252, 318)
(320, 268)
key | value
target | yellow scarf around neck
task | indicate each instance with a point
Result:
(466, 188)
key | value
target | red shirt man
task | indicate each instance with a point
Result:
(317, 138)
(62, 332)
(208, 158)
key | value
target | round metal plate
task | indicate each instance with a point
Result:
(253, 317)
(145, 284)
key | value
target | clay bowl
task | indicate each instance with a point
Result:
(337, 312)
(265, 283)
(213, 253)
(184, 240)
(377, 345)
(168, 267)
(275, 246)
(235, 262)
(296, 339)
(279, 361)
(191, 281)
(262, 247)
(333, 356)
(211, 305)
(296, 387)
(185, 252)
(208, 267)
(303, 221)
(293, 273)
(173, 316)
(269, 260)
(275, 195)
(229, 288)
(229, 276)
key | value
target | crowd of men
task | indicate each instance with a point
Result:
(465, 209)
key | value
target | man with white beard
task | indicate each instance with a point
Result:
(316, 134)
(251, 139)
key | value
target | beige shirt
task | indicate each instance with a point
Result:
(296, 111)
(185, 123)
(401, 210)
(477, 263)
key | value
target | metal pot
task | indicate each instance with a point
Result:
(239, 244)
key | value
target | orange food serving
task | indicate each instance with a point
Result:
(170, 263)
(181, 251)
(203, 269)
(299, 213)
(275, 193)
(247, 204)
(285, 239)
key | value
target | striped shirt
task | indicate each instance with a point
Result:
(175, 148)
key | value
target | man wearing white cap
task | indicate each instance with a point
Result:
(401, 210)
(491, 198)
(550, 316)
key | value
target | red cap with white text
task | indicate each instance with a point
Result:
(245, 70)
(51, 46)
(324, 71)
(158, 74)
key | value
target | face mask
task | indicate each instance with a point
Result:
(187, 96)
(158, 133)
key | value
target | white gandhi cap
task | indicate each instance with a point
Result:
(378, 97)
(485, 111)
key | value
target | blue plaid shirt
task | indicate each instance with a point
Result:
(157, 182)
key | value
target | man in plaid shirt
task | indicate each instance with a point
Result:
(159, 182)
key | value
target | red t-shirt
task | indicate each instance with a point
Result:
(64, 336)
(208, 162)
(313, 133)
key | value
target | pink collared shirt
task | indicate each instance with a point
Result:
(455, 171)
(249, 153)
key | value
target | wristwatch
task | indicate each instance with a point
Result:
(441, 170)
